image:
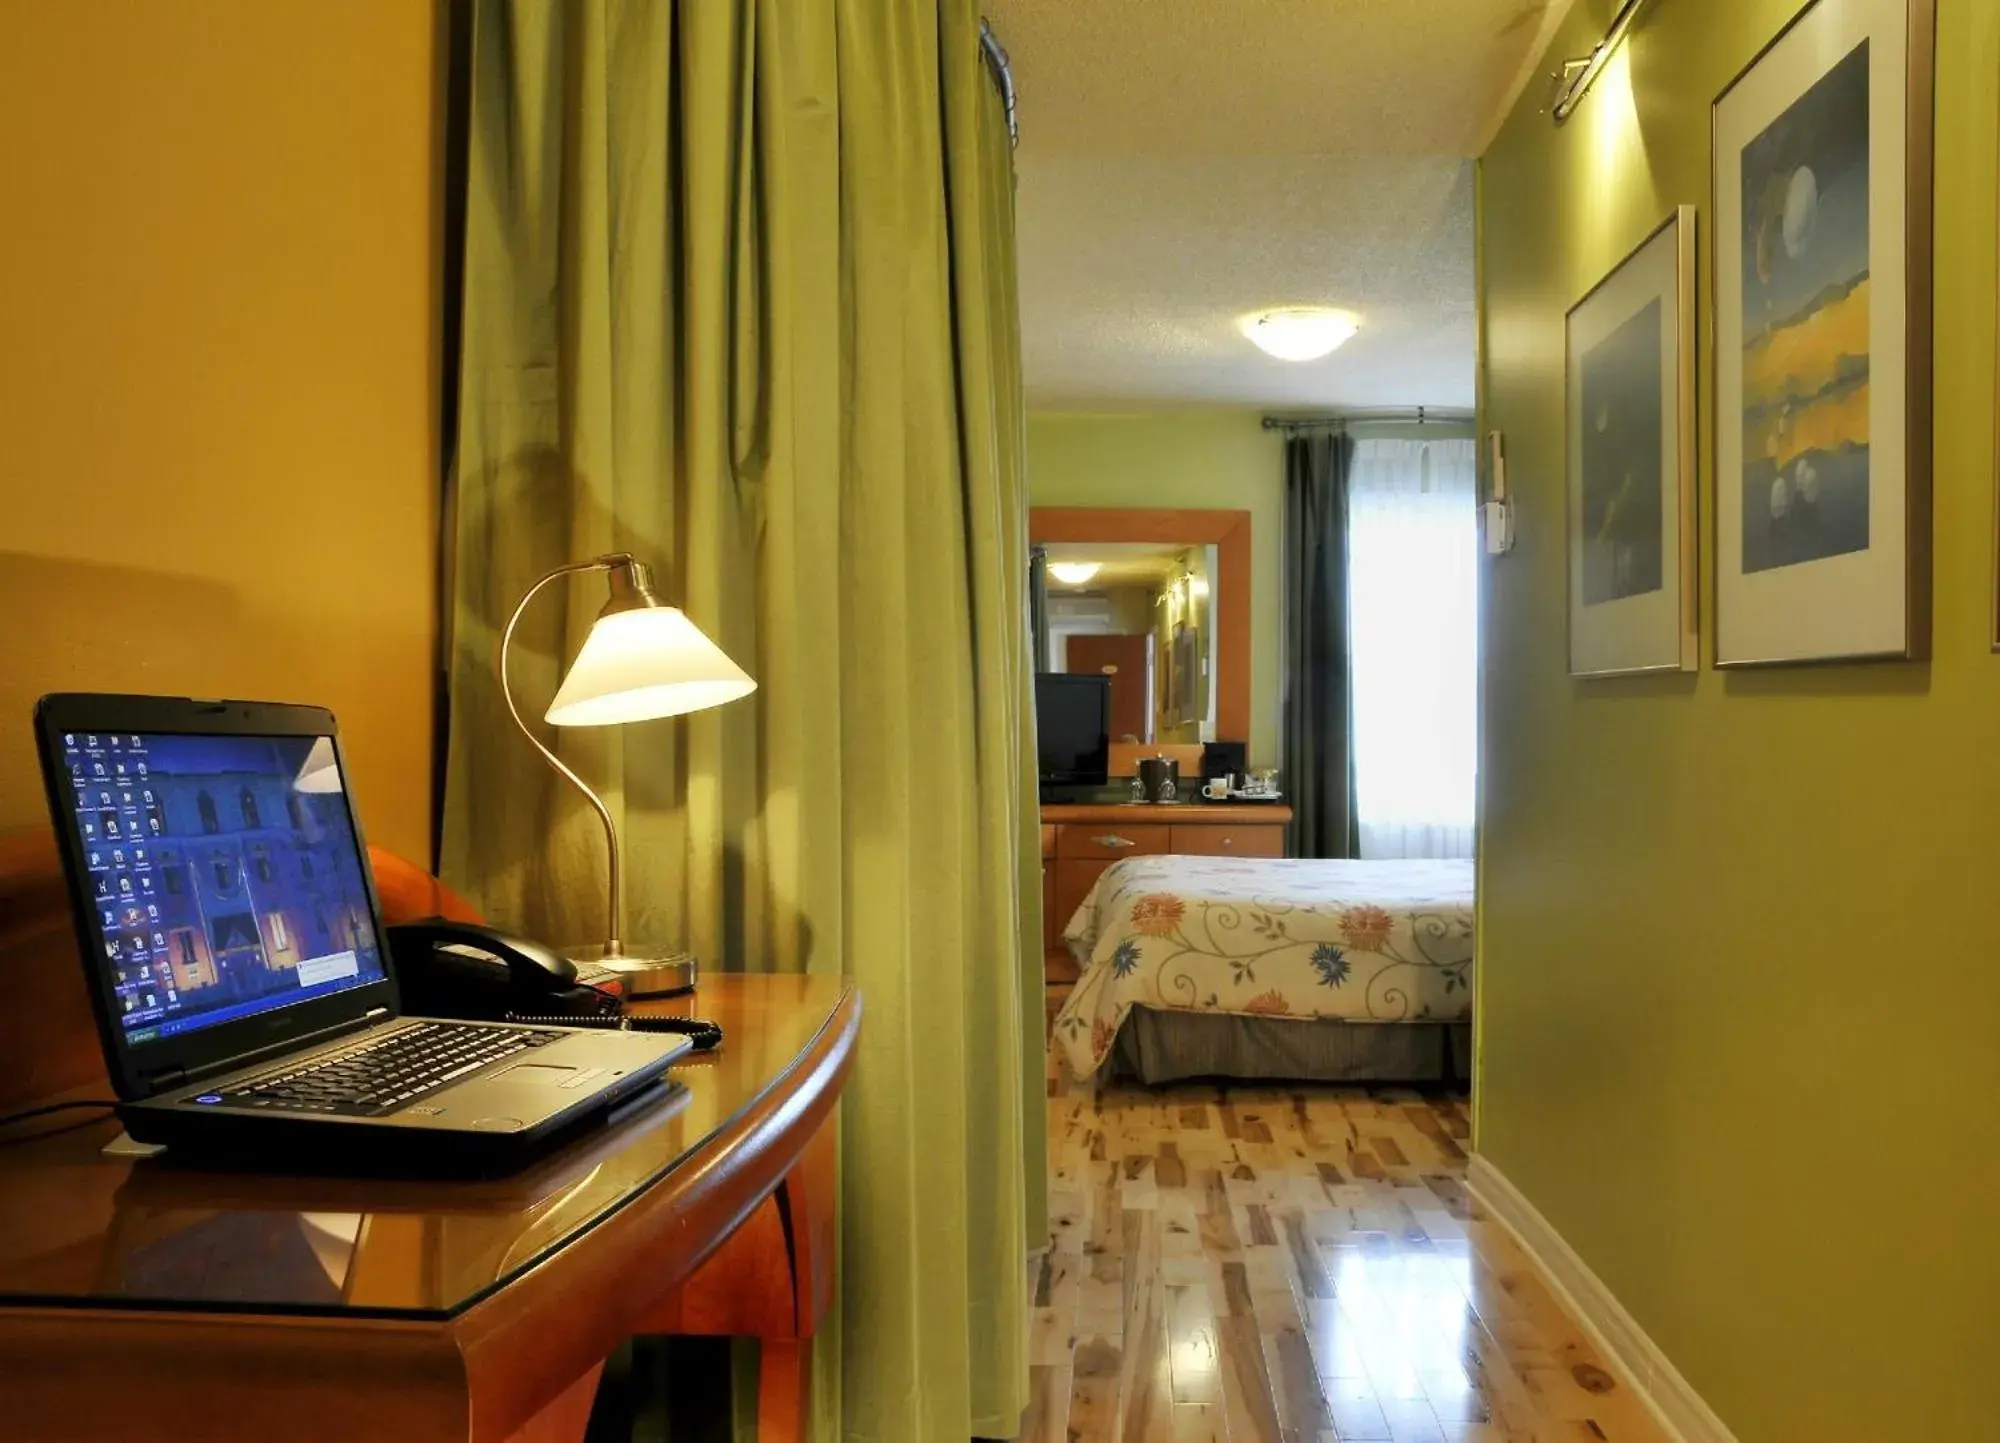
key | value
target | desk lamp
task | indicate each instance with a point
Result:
(643, 659)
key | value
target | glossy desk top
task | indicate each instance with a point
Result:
(81, 1230)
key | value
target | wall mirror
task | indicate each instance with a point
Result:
(1142, 614)
(1159, 602)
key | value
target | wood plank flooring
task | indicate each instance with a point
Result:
(1294, 1265)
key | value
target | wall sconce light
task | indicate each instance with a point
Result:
(1574, 76)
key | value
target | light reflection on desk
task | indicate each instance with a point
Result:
(80, 1229)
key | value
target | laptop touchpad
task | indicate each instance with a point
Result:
(547, 1073)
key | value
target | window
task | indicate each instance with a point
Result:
(1413, 606)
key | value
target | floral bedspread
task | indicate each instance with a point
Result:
(1361, 941)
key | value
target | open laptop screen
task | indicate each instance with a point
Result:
(225, 873)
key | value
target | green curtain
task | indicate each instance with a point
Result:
(1319, 702)
(739, 298)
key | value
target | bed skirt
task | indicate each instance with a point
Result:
(1157, 1046)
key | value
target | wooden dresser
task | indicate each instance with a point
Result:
(1079, 842)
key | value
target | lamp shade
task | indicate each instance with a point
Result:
(647, 662)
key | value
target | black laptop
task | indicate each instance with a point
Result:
(236, 963)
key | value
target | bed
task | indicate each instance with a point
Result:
(1233, 967)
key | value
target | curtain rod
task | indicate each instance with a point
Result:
(995, 55)
(1414, 415)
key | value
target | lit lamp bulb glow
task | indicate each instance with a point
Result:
(1074, 573)
(1301, 334)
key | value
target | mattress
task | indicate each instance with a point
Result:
(1360, 941)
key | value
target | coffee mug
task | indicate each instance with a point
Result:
(1216, 789)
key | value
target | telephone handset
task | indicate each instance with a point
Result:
(461, 969)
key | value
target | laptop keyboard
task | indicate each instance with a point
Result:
(383, 1076)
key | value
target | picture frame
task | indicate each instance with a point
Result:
(1821, 319)
(1629, 423)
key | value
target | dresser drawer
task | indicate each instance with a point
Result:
(1105, 841)
(1242, 840)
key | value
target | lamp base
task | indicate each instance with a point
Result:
(665, 975)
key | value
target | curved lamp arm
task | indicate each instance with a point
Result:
(615, 562)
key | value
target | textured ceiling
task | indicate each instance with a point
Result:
(1119, 563)
(1183, 162)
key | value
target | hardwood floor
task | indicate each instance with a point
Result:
(1294, 1265)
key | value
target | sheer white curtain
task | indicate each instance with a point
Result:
(1413, 608)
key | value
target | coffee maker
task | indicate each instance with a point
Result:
(1159, 780)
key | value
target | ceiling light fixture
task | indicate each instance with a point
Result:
(1301, 333)
(1574, 76)
(1074, 573)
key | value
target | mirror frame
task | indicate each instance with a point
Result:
(1228, 532)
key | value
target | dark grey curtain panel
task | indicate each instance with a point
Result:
(1038, 607)
(1319, 751)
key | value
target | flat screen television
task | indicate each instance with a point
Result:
(1073, 724)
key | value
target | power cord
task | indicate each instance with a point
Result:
(48, 1110)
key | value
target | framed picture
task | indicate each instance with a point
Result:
(1822, 281)
(1629, 413)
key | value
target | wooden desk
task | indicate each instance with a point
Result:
(145, 1301)
(1079, 842)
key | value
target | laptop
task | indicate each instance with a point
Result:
(235, 959)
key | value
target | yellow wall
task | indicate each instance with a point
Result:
(1739, 979)
(217, 377)
(1219, 459)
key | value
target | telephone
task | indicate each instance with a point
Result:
(461, 969)
(458, 969)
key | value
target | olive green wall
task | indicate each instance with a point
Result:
(1220, 459)
(1740, 988)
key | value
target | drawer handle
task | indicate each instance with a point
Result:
(1114, 841)
(1229, 841)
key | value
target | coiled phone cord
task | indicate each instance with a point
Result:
(706, 1036)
